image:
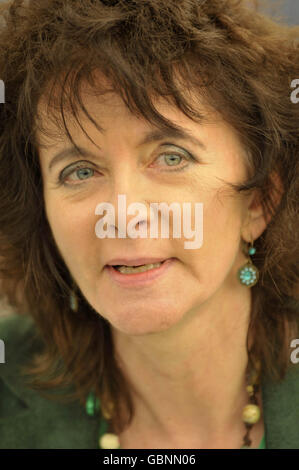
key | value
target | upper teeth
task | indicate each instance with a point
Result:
(138, 269)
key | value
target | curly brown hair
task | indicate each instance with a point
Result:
(240, 62)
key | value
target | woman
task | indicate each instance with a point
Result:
(101, 98)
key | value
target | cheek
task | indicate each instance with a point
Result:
(73, 229)
(223, 218)
(221, 230)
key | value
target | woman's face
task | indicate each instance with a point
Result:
(120, 165)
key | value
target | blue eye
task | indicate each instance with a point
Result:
(173, 160)
(82, 172)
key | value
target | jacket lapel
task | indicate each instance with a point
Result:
(30, 420)
(281, 410)
(39, 423)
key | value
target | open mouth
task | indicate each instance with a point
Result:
(138, 276)
(137, 269)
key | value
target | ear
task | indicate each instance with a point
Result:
(257, 220)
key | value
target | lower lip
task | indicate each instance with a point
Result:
(139, 278)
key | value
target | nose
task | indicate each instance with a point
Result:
(128, 197)
(132, 214)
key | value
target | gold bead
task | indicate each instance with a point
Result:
(107, 409)
(109, 441)
(251, 414)
(106, 414)
(249, 389)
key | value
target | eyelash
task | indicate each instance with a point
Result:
(80, 165)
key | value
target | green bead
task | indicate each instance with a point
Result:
(251, 250)
(262, 443)
(92, 404)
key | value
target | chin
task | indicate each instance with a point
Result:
(136, 322)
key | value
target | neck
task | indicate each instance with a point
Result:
(190, 379)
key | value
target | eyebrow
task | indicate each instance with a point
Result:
(152, 136)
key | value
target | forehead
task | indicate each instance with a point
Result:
(97, 100)
(100, 110)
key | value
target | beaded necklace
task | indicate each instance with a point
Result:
(250, 416)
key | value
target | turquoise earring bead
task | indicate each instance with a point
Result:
(248, 275)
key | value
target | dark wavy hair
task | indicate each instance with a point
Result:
(237, 60)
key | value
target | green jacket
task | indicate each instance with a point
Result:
(30, 421)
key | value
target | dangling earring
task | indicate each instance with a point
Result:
(73, 300)
(248, 274)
